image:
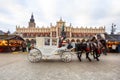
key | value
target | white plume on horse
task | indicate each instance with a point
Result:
(103, 36)
(100, 35)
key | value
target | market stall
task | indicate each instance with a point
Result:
(10, 43)
(113, 42)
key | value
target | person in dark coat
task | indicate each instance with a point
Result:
(23, 46)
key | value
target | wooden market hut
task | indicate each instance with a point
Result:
(10, 43)
(113, 42)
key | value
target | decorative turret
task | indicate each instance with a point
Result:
(32, 21)
(60, 23)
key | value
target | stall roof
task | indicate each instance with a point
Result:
(113, 37)
(9, 37)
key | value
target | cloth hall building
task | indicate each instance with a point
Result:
(31, 32)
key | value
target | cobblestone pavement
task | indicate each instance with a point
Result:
(17, 67)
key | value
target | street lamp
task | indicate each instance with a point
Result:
(113, 28)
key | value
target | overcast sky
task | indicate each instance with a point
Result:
(90, 13)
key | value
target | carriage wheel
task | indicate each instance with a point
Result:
(61, 51)
(66, 56)
(34, 55)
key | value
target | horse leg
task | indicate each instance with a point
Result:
(79, 54)
(94, 54)
(105, 51)
(87, 56)
(97, 55)
(97, 59)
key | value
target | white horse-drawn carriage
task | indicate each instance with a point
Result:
(46, 47)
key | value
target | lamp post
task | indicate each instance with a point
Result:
(113, 28)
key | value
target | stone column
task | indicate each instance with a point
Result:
(56, 31)
(70, 33)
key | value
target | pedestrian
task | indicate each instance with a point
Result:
(28, 45)
(32, 46)
(23, 46)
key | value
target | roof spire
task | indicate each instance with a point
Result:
(32, 18)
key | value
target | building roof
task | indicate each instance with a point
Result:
(9, 37)
(113, 37)
(1, 32)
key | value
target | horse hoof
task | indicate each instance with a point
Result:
(98, 60)
(90, 60)
(80, 60)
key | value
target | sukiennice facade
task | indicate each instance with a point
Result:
(31, 32)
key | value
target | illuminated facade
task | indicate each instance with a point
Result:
(55, 31)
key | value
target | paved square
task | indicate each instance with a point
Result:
(17, 67)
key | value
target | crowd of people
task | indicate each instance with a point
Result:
(28, 45)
